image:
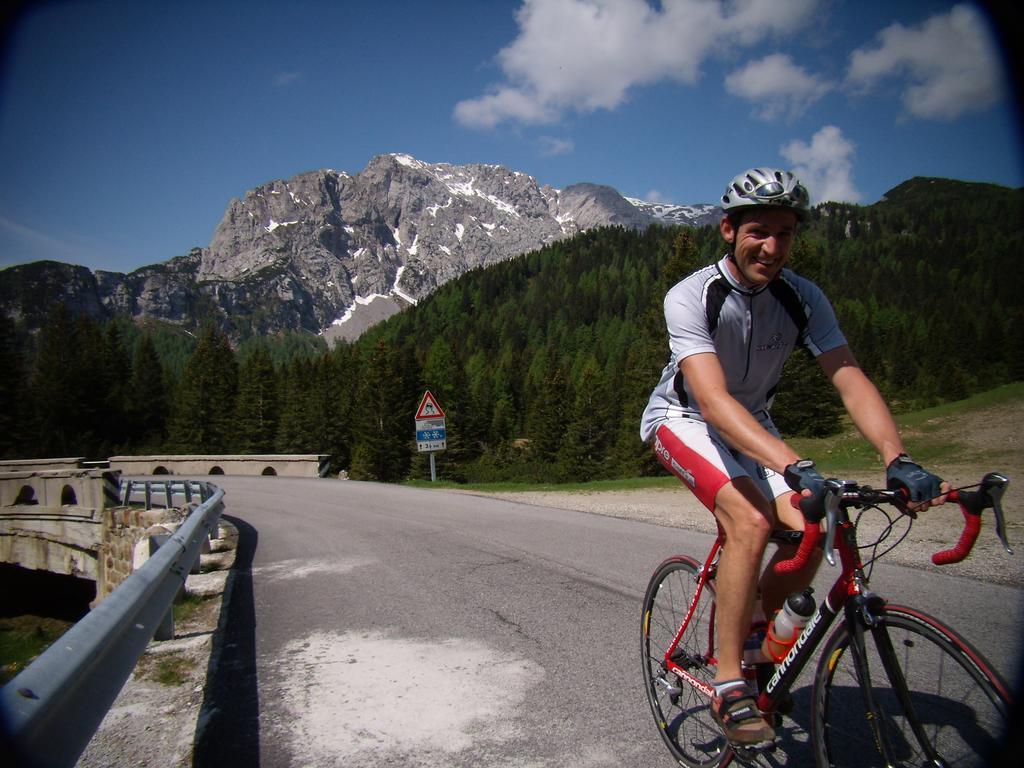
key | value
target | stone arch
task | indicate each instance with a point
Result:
(215, 470)
(269, 472)
(161, 470)
(27, 495)
(68, 497)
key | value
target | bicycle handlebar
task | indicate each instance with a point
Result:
(839, 495)
(972, 504)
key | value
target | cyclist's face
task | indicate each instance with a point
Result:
(762, 244)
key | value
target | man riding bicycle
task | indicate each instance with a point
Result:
(731, 326)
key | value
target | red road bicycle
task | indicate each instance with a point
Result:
(894, 686)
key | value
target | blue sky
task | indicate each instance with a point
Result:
(127, 127)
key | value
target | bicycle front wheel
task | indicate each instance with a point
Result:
(682, 712)
(954, 712)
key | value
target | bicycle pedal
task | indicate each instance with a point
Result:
(672, 690)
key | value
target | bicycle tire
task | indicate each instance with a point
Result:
(684, 719)
(960, 701)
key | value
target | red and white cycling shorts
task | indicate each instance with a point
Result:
(694, 452)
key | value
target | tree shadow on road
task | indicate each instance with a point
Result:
(228, 728)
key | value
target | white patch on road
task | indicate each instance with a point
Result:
(299, 569)
(366, 694)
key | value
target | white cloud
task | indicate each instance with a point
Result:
(654, 196)
(585, 55)
(825, 165)
(284, 79)
(950, 62)
(776, 86)
(550, 146)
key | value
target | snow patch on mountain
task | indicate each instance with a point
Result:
(672, 213)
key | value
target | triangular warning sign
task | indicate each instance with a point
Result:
(429, 409)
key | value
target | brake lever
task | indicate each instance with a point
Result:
(833, 495)
(993, 485)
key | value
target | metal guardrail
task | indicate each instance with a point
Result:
(51, 709)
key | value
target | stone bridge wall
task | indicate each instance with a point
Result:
(280, 465)
(64, 515)
(69, 521)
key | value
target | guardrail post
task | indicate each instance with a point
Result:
(165, 629)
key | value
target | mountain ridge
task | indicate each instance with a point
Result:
(314, 251)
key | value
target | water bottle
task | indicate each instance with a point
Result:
(787, 625)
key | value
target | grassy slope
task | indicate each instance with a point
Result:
(966, 432)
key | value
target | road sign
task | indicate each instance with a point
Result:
(429, 409)
(431, 439)
(431, 434)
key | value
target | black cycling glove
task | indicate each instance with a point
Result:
(803, 476)
(903, 473)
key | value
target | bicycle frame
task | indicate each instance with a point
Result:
(849, 594)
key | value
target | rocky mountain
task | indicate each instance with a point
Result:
(333, 253)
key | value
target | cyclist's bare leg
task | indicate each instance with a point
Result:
(746, 518)
(775, 588)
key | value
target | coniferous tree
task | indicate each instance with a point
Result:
(1016, 348)
(15, 404)
(204, 405)
(113, 425)
(806, 404)
(256, 409)
(549, 420)
(384, 419)
(591, 428)
(324, 431)
(346, 376)
(146, 398)
(293, 427)
(61, 404)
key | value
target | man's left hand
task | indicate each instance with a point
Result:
(922, 488)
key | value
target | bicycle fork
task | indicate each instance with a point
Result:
(862, 620)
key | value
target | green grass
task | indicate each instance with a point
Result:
(930, 435)
(187, 607)
(171, 668)
(22, 638)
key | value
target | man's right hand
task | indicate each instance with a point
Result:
(803, 477)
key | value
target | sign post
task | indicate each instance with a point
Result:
(431, 435)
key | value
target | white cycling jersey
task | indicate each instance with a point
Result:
(751, 331)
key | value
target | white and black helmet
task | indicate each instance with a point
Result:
(767, 187)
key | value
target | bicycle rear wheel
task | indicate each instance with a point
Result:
(683, 713)
(958, 706)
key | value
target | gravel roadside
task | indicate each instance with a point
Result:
(153, 720)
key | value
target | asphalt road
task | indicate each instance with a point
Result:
(373, 625)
